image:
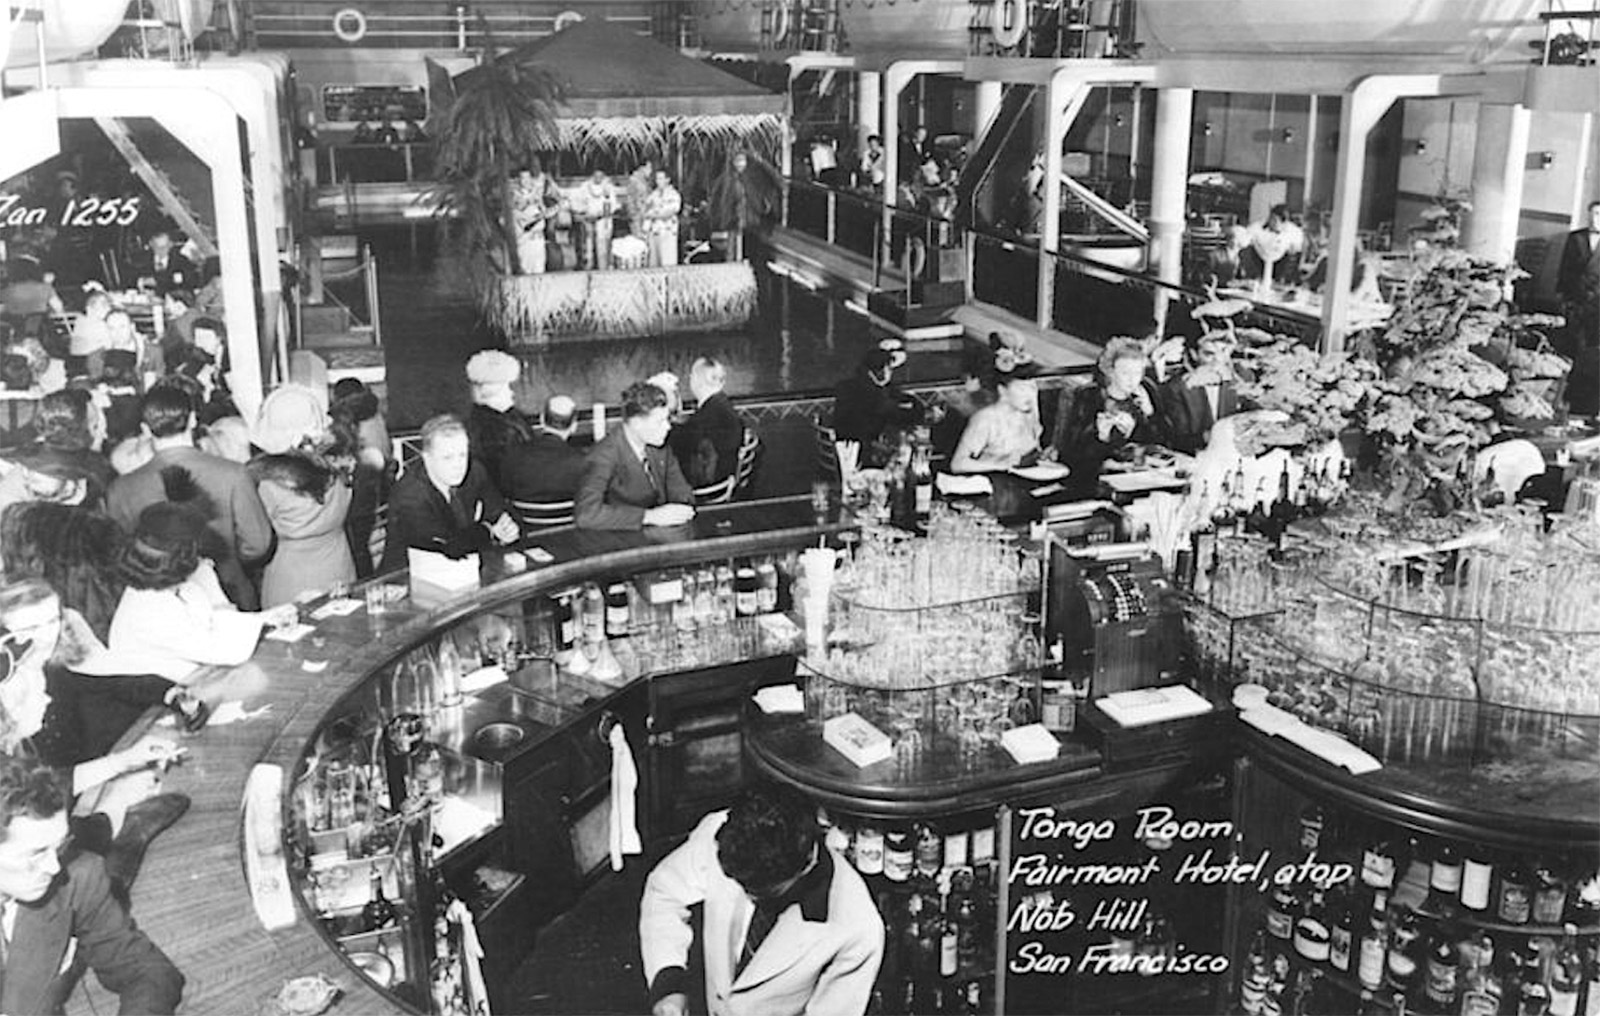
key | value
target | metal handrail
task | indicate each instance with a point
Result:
(886, 260)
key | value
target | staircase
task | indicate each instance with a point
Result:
(187, 201)
(1015, 106)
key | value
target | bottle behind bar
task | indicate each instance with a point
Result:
(618, 621)
(1566, 974)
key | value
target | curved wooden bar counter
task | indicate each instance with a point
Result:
(192, 897)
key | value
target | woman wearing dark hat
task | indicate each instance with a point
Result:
(174, 616)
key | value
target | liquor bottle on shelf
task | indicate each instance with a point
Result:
(1403, 960)
(929, 852)
(921, 476)
(1477, 878)
(766, 586)
(949, 940)
(1312, 937)
(1256, 976)
(1482, 988)
(1515, 902)
(1373, 950)
(745, 596)
(378, 912)
(1549, 893)
(1341, 935)
(1533, 996)
(618, 616)
(1381, 865)
(1444, 879)
(1566, 974)
(1440, 977)
(897, 854)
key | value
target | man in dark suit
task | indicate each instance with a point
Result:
(1578, 283)
(707, 443)
(237, 514)
(169, 269)
(445, 504)
(54, 904)
(1189, 404)
(632, 480)
(546, 467)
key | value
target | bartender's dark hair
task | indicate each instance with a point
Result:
(28, 787)
(641, 398)
(770, 836)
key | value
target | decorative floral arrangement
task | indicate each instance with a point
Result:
(1458, 362)
(1322, 394)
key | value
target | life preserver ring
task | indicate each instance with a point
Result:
(915, 258)
(349, 25)
(780, 22)
(1010, 22)
(566, 19)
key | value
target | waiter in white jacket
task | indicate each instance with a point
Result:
(789, 926)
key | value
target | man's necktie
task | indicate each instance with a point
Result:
(650, 474)
(761, 923)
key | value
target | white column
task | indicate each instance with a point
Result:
(986, 103)
(1499, 166)
(869, 108)
(1062, 101)
(1359, 112)
(1169, 185)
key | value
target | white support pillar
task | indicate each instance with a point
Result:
(181, 110)
(869, 108)
(1499, 168)
(1169, 188)
(1064, 96)
(1364, 104)
(986, 104)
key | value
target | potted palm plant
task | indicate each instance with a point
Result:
(501, 117)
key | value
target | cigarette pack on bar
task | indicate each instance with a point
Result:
(857, 740)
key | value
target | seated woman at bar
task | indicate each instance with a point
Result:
(174, 616)
(1004, 435)
(1105, 420)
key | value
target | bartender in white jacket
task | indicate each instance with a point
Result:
(789, 926)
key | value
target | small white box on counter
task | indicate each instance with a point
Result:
(1031, 743)
(857, 740)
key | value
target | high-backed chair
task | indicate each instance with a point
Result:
(717, 493)
(749, 449)
(542, 514)
(827, 451)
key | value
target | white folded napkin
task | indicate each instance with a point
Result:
(967, 484)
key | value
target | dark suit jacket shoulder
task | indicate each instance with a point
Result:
(707, 444)
(419, 516)
(1183, 414)
(238, 514)
(545, 468)
(81, 907)
(615, 491)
